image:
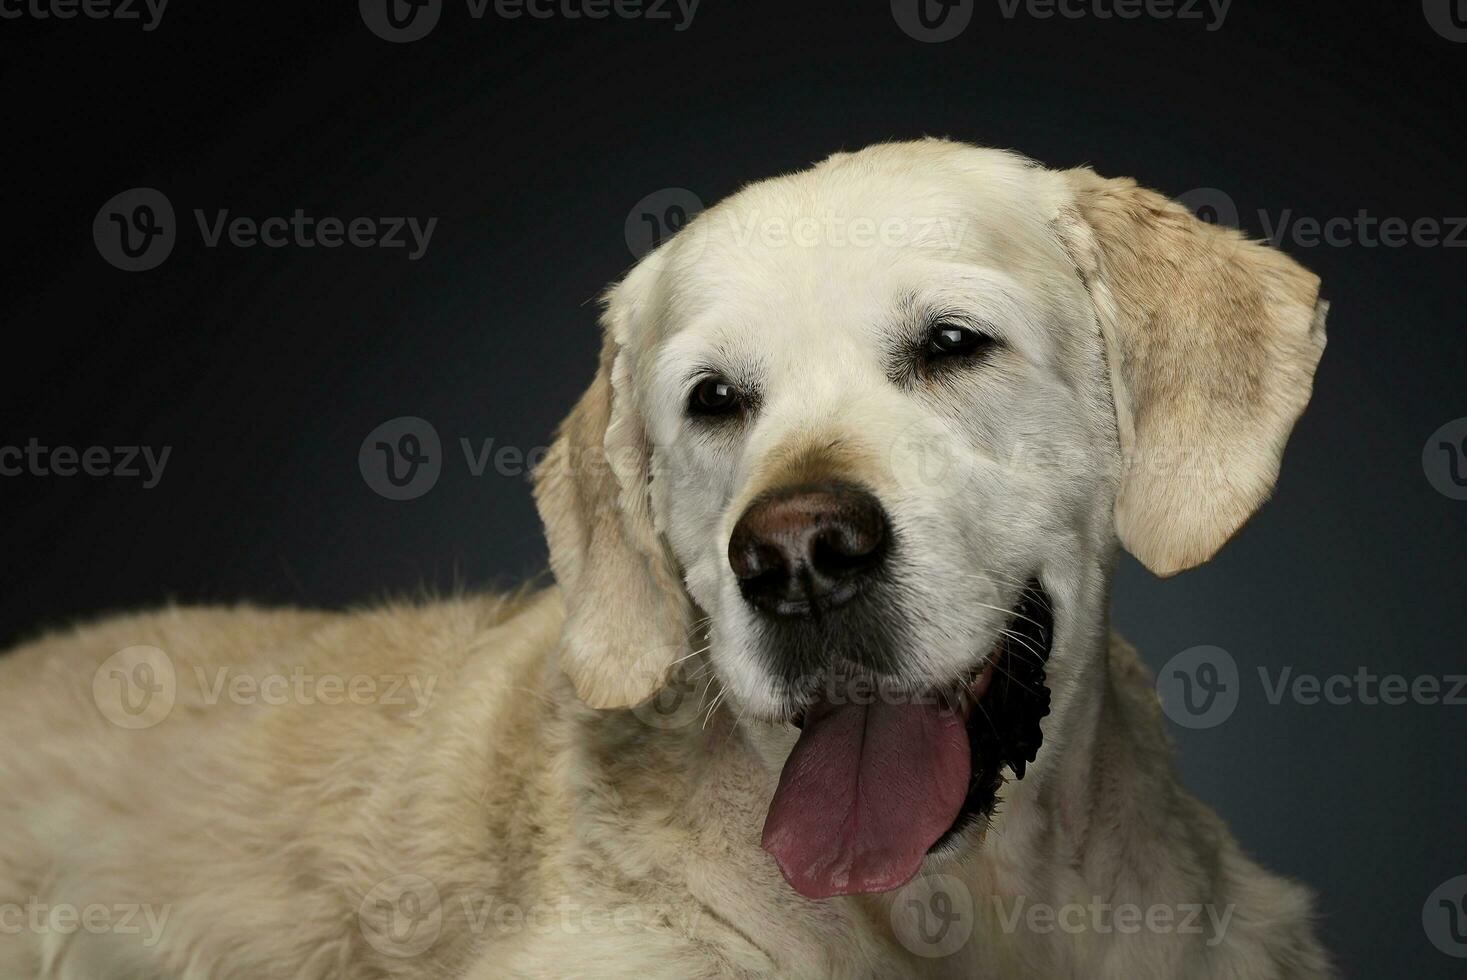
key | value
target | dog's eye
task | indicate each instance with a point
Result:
(955, 340)
(714, 396)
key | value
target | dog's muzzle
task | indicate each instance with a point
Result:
(883, 771)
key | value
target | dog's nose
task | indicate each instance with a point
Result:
(808, 548)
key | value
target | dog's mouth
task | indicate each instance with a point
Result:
(879, 779)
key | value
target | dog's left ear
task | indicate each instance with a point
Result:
(1212, 342)
(627, 613)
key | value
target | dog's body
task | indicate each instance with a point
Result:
(256, 833)
(468, 816)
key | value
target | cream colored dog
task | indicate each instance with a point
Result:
(834, 531)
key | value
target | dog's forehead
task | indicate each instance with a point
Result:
(858, 232)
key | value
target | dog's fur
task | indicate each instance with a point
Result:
(538, 816)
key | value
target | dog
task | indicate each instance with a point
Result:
(825, 686)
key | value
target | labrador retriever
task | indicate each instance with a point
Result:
(825, 686)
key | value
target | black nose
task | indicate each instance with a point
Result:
(809, 548)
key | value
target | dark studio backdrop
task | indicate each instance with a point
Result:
(550, 149)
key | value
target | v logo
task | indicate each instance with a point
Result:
(145, 222)
(944, 8)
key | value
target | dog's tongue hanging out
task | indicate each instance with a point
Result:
(866, 791)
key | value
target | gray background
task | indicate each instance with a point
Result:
(534, 140)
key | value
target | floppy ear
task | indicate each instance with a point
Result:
(1212, 342)
(627, 611)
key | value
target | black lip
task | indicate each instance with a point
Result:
(1004, 729)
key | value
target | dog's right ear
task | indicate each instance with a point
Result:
(626, 609)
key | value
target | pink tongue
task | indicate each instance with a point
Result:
(866, 791)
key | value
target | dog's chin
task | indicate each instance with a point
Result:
(927, 766)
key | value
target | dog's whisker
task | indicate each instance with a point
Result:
(690, 656)
(1014, 680)
(1009, 612)
(722, 693)
(1024, 642)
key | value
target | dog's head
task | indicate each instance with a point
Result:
(882, 422)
